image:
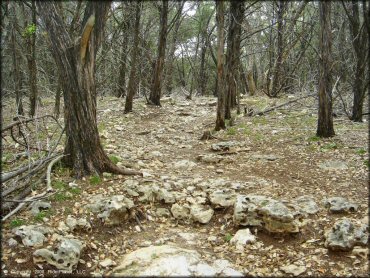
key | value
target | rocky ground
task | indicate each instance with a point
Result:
(255, 200)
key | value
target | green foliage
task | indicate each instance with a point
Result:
(114, 159)
(314, 139)
(361, 151)
(330, 146)
(59, 196)
(59, 185)
(367, 163)
(17, 222)
(94, 180)
(231, 131)
(75, 190)
(29, 30)
(42, 214)
(228, 237)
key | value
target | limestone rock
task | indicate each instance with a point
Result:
(333, 165)
(201, 214)
(223, 197)
(32, 235)
(180, 211)
(72, 223)
(112, 210)
(185, 164)
(66, 257)
(293, 269)
(162, 212)
(12, 242)
(306, 204)
(38, 206)
(267, 157)
(170, 260)
(242, 237)
(223, 146)
(261, 211)
(339, 204)
(345, 234)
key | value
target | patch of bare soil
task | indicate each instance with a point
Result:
(277, 153)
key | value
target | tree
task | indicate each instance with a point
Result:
(325, 119)
(132, 84)
(29, 35)
(76, 66)
(16, 69)
(155, 90)
(233, 54)
(359, 38)
(121, 90)
(220, 120)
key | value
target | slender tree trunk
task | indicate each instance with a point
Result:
(169, 67)
(359, 42)
(220, 120)
(16, 72)
(121, 90)
(278, 69)
(132, 83)
(233, 54)
(325, 119)
(57, 100)
(155, 92)
(76, 65)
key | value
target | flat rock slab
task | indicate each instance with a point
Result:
(333, 165)
(223, 146)
(112, 210)
(266, 157)
(339, 204)
(170, 260)
(32, 235)
(345, 234)
(272, 215)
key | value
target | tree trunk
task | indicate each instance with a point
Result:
(57, 100)
(155, 91)
(121, 90)
(76, 65)
(132, 83)
(220, 120)
(233, 54)
(325, 118)
(30, 42)
(359, 41)
(278, 70)
(169, 69)
(16, 71)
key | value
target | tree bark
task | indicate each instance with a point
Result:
(121, 90)
(132, 84)
(278, 69)
(233, 54)
(220, 120)
(325, 118)
(30, 42)
(155, 91)
(16, 70)
(359, 41)
(76, 65)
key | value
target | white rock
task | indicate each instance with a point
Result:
(185, 164)
(293, 269)
(201, 214)
(106, 263)
(180, 211)
(243, 237)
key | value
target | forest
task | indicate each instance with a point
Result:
(185, 138)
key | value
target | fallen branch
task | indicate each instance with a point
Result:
(12, 174)
(48, 172)
(281, 105)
